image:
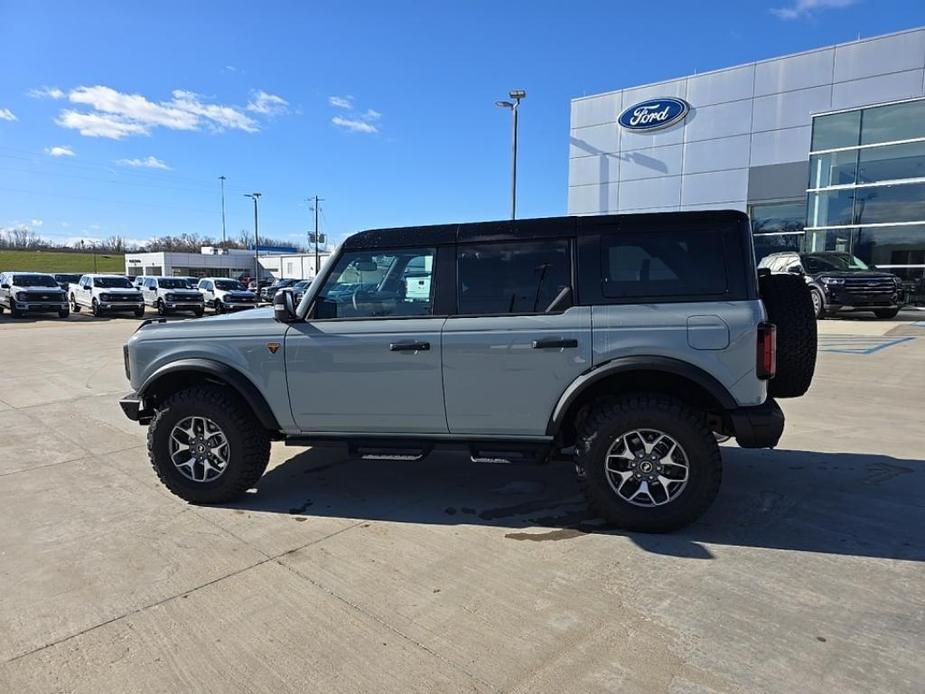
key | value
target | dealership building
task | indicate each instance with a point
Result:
(824, 149)
(220, 262)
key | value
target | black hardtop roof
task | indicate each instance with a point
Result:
(522, 229)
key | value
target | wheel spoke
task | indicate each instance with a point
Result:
(653, 460)
(199, 448)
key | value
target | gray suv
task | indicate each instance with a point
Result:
(627, 344)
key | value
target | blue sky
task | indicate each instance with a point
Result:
(117, 118)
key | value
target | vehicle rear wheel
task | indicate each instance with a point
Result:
(886, 312)
(206, 446)
(789, 304)
(648, 462)
(95, 308)
(818, 303)
(74, 307)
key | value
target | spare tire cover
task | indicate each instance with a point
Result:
(789, 306)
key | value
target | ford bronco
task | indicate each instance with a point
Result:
(627, 344)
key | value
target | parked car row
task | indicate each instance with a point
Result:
(103, 294)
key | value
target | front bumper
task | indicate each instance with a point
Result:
(40, 307)
(134, 408)
(758, 427)
(122, 305)
(837, 299)
(184, 305)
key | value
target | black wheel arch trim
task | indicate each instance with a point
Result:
(223, 373)
(637, 363)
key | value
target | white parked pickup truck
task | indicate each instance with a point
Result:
(105, 294)
(169, 294)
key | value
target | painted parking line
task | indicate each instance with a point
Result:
(858, 344)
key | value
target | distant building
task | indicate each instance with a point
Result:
(217, 262)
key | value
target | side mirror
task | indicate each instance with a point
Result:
(4, 286)
(284, 307)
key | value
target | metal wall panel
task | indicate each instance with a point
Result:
(796, 72)
(880, 56)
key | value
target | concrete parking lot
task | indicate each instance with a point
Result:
(808, 574)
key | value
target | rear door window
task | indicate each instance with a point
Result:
(659, 263)
(516, 277)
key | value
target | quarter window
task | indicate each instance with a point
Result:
(520, 277)
(663, 263)
(379, 284)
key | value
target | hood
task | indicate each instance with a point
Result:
(187, 292)
(255, 321)
(238, 292)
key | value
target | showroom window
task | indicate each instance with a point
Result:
(866, 191)
(777, 226)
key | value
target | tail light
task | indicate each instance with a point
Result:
(767, 351)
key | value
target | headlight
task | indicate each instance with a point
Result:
(897, 280)
(832, 280)
(169, 297)
(20, 296)
(104, 297)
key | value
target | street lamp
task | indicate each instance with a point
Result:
(516, 95)
(222, 179)
(255, 197)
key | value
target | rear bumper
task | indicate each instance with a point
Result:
(758, 427)
(134, 408)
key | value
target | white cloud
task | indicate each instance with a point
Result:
(7, 114)
(371, 114)
(806, 8)
(59, 151)
(353, 125)
(267, 104)
(341, 101)
(37, 222)
(114, 114)
(146, 163)
(46, 93)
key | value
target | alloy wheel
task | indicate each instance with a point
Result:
(646, 467)
(199, 449)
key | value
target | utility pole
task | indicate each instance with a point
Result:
(255, 197)
(514, 105)
(315, 207)
(222, 179)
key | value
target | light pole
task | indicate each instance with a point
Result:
(255, 197)
(222, 179)
(516, 95)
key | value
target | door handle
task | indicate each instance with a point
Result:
(555, 343)
(409, 347)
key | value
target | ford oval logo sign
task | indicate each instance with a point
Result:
(654, 114)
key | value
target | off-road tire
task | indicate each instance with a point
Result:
(818, 303)
(790, 307)
(886, 312)
(74, 306)
(248, 442)
(610, 419)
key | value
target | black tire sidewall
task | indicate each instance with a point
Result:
(196, 492)
(704, 472)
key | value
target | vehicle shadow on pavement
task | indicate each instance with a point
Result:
(835, 503)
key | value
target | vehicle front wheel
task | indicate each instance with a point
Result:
(198, 312)
(15, 312)
(206, 446)
(648, 462)
(161, 309)
(818, 303)
(140, 312)
(64, 312)
(886, 312)
(219, 307)
(74, 307)
(95, 308)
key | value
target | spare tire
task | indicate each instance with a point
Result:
(789, 306)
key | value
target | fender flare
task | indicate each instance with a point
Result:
(221, 372)
(621, 365)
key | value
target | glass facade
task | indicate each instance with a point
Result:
(777, 226)
(866, 192)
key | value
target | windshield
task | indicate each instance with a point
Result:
(826, 262)
(34, 281)
(170, 283)
(67, 278)
(113, 282)
(228, 285)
